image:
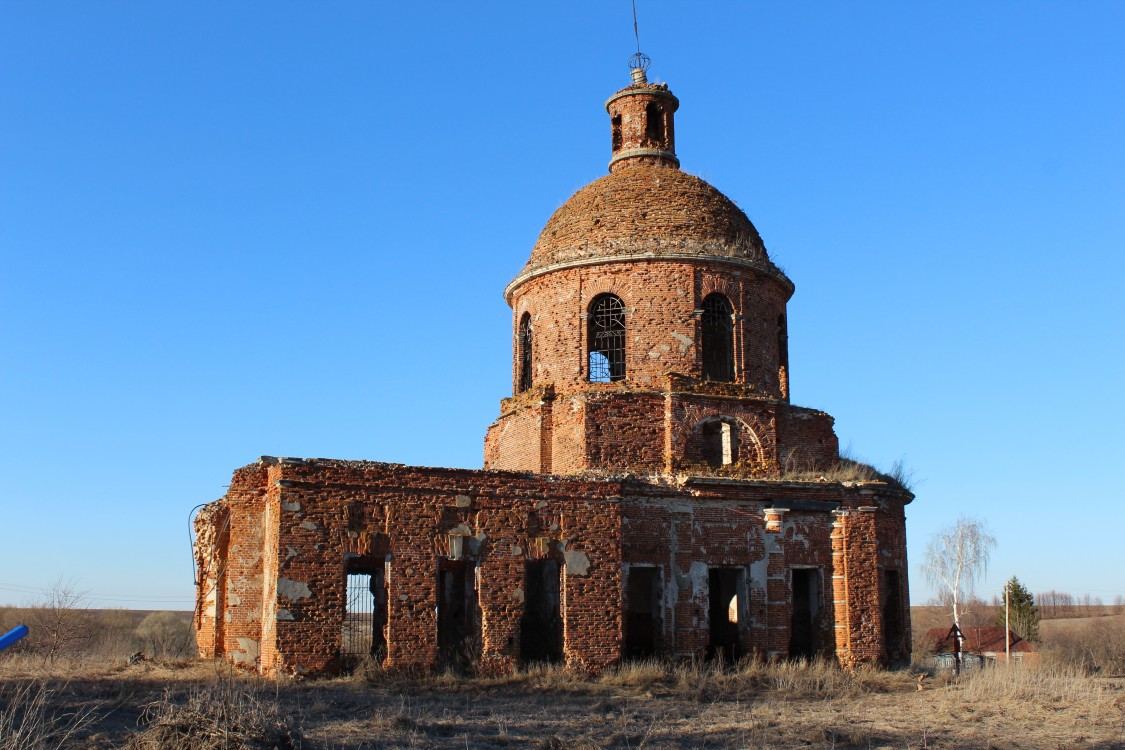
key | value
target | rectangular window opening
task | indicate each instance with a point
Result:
(458, 615)
(804, 637)
(365, 615)
(541, 636)
(642, 613)
(892, 617)
(725, 600)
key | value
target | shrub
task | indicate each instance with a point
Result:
(166, 635)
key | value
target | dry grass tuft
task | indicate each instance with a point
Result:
(848, 470)
(216, 717)
(31, 719)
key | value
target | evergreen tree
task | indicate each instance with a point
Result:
(1023, 615)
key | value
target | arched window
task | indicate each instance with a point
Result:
(607, 339)
(524, 344)
(718, 339)
(782, 342)
(654, 124)
(720, 441)
(783, 356)
(616, 129)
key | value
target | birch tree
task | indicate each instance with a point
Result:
(956, 558)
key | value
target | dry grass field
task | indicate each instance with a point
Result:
(202, 706)
(88, 695)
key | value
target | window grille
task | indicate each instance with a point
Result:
(718, 339)
(607, 339)
(359, 618)
(525, 352)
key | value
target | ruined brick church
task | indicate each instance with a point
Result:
(648, 489)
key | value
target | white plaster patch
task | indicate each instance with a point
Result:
(463, 501)
(518, 595)
(247, 653)
(233, 599)
(686, 342)
(284, 614)
(698, 574)
(292, 507)
(517, 550)
(291, 553)
(291, 589)
(577, 563)
(308, 525)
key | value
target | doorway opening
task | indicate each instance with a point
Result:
(458, 615)
(724, 589)
(804, 641)
(541, 625)
(364, 635)
(642, 612)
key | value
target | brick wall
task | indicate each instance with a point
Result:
(291, 534)
(627, 430)
(293, 524)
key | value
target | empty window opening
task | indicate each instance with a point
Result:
(724, 590)
(607, 339)
(654, 124)
(718, 339)
(616, 132)
(365, 615)
(783, 354)
(892, 616)
(524, 348)
(458, 615)
(642, 613)
(804, 641)
(720, 442)
(541, 625)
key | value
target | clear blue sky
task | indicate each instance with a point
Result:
(233, 229)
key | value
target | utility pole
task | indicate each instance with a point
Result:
(1007, 631)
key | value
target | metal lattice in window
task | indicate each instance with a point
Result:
(359, 617)
(607, 339)
(525, 352)
(718, 338)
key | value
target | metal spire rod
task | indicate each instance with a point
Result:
(636, 32)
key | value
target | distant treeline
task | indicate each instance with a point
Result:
(1056, 604)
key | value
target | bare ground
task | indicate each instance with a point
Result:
(640, 706)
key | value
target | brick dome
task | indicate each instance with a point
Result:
(647, 211)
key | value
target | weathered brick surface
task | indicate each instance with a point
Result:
(618, 483)
(647, 210)
(662, 301)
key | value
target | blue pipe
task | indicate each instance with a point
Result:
(12, 636)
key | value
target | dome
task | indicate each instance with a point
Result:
(646, 212)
